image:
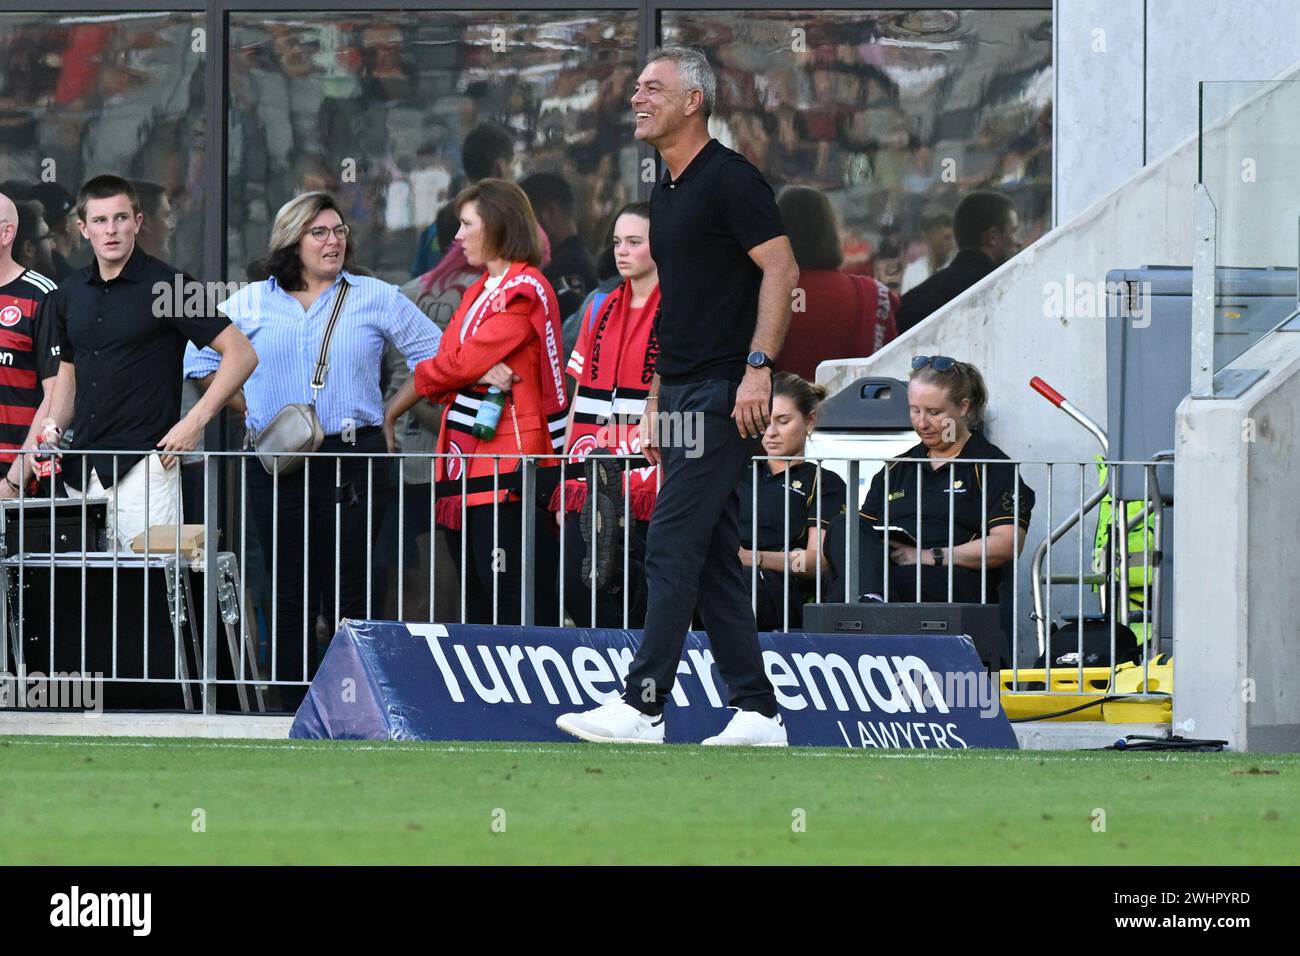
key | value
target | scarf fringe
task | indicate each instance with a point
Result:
(642, 500)
(446, 513)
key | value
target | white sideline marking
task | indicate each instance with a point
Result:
(412, 746)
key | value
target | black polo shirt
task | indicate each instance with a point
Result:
(702, 227)
(128, 355)
(966, 268)
(802, 497)
(969, 494)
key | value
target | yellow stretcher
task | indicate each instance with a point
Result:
(1139, 700)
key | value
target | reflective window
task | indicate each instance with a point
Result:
(375, 107)
(894, 115)
(89, 93)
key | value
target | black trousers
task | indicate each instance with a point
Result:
(772, 594)
(290, 531)
(501, 556)
(693, 553)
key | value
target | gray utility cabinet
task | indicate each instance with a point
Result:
(1149, 358)
(1149, 367)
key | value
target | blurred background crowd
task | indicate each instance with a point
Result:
(891, 115)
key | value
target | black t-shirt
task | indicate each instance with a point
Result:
(128, 347)
(571, 273)
(702, 227)
(974, 487)
(966, 268)
(802, 496)
(23, 365)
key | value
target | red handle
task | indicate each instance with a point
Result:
(1045, 390)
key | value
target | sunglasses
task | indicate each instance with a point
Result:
(940, 363)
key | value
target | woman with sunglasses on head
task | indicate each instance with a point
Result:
(990, 506)
(309, 269)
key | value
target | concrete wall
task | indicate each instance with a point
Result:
(1005, 326)
(1127, 74)
(1011, 328)
(1237, 635)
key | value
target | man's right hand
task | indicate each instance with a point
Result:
(501, 376)
(647, 433)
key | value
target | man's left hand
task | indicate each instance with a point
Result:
(753, 401)
(184, 436)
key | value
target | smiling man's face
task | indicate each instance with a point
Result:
(659, 103)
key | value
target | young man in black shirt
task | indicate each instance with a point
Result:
(987, 231)
(726, 276)
(120, 335)
(571, 271)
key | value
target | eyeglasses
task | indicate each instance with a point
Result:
(322, 233)
(940, 363)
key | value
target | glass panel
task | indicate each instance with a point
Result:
(1250, 135)
(894, 115)
(377, 111)
(83, 94)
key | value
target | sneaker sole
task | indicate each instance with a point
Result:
(592, 738)
(603, 526)
(780, 743)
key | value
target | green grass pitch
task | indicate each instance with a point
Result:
(131, 801)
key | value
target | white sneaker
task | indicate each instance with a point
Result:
(749, 728)
(614, 723)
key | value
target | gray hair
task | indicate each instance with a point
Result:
(694, 69)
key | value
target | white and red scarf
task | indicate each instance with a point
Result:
(614, 377)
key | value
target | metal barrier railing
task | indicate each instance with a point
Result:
(227, 611)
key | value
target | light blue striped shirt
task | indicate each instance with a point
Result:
(287, 340)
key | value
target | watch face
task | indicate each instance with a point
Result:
(757, 359)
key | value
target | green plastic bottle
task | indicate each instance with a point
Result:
(489, 414)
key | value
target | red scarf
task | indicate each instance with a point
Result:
(519, 281)
(614, 379)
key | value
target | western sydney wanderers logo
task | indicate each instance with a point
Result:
(455, 463)
(583, 447)
(10, 316)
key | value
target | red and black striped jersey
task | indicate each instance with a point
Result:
(21, 303)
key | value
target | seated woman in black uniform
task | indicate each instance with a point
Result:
(989, 517)
(794, 415)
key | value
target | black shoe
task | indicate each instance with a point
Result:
(605, 526)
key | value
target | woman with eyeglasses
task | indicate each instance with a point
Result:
(954, 476)
(309, 266)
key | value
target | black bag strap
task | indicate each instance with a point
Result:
(322, 363)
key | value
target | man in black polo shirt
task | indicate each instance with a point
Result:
(726, 276)
(987, 230)
(120, 336)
